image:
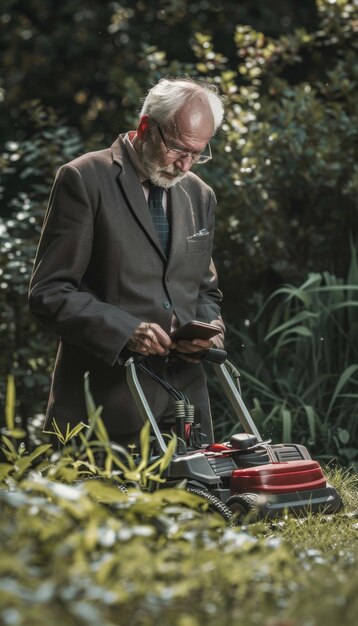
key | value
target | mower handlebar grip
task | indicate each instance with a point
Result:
(213, 355)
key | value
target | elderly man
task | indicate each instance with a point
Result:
(125, 257)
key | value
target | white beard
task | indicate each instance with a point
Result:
(155, 173)
(162, 181)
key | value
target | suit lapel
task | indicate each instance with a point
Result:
(133, 192)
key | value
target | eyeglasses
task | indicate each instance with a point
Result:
(179, 153)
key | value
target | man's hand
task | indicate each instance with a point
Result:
(148, 339)
(188, 349)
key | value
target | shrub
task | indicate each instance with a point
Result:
(28, 167)
(299, 364)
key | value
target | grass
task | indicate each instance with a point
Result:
(87, 554)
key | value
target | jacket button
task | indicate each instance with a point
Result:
(166, 304)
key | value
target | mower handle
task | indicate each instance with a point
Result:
(212, 355)
(220, 366)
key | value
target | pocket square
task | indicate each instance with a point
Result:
(200, 233)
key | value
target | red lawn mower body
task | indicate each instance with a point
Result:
(246, 474)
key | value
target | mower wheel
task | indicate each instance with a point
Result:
(244, 506)
(214, 503)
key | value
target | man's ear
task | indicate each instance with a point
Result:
(143, 126)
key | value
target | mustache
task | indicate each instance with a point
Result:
(174, 173)
(170, 169)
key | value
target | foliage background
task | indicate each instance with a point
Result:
(284, 166)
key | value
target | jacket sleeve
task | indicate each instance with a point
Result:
(210, 296)
(56, 295)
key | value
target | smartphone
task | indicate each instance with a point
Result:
(195, 330)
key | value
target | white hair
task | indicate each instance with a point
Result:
(169, 95)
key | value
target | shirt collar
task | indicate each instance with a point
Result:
(134, 156)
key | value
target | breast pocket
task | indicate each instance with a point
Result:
(198, 245)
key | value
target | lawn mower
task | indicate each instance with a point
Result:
(246, 476)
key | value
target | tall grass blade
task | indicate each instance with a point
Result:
(344, 378)
(286, 424)
(290, 325)
(311, 420)
(10, 403)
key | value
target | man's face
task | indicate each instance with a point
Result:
(190, 133)
(160, 170)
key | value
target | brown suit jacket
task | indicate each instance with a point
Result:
(99, 271)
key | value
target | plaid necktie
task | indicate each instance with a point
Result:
(161, 225)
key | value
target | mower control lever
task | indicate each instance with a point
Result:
(213, 355)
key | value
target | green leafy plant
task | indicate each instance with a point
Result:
(287, 198)
(84, 553)
(299, 364)
(82, 445)
(27, 171)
